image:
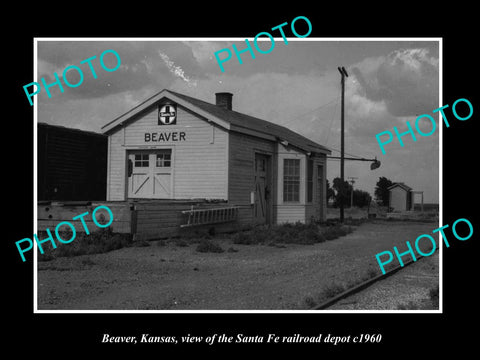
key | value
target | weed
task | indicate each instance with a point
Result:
(290, 233)
(181, 243)
(241, 238)
(100, 241)
(332, 290)
(411, 305)
(211, 231)
(206, 245)
(195, 235)
(371, 273)
(336, 231)
(141, 243)
(310, 302)
(434, 295)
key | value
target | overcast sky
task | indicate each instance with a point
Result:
(295, 85)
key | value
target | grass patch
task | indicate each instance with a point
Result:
(181, 242)
(291, 233)
(334, 289)
(411, 305)
(371, 273)
(331, 291)
(325, 294)
(430, 303)
(101, 241)
(207, 246)
(195, 235)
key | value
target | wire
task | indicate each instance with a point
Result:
(331, 120)
(313, 110)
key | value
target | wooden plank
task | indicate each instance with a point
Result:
(50, 215)
(120, 227)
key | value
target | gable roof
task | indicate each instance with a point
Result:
(228, 119)
(401, 185)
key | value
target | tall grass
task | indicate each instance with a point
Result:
(101, 241)
(291, 233)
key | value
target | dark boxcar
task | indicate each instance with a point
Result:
(71, 164)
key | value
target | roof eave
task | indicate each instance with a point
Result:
(121, 120)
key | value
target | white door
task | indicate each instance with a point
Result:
(149, 174)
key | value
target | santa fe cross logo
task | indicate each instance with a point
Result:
(167, 115)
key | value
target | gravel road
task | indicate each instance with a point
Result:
(256, 277)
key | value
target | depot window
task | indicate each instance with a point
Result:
(141, 160)
(291, 180)
(164, 158)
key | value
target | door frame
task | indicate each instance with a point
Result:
(319, 204)
(269, 184)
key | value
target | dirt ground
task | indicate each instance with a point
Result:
(255, 277)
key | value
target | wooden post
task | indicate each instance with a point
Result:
(343, 73)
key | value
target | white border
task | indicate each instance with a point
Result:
(311, 312)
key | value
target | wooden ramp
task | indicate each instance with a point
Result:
(161, 219)
(144, 219)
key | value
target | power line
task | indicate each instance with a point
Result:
(331, 120)
(316, 109)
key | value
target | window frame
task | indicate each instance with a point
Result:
(310, 170)
(140, 162)
(163, 153)
(291, 180)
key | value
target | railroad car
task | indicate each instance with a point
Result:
(71, 164)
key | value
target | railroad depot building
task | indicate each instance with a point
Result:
(178, 148)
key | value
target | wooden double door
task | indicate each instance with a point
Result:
(150, 174)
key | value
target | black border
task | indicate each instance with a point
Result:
(406, 334)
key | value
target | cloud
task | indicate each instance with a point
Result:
(142, 65)
(176, 70)
(386, 91)
(296, 86)
(406, 80)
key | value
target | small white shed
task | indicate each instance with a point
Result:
(400, 197)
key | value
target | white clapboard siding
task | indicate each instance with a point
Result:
(199, 163)
(116, 168)
(290, 213)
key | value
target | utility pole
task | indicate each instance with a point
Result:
(343, 73)
(352, 180)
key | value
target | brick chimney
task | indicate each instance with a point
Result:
(224, 99)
